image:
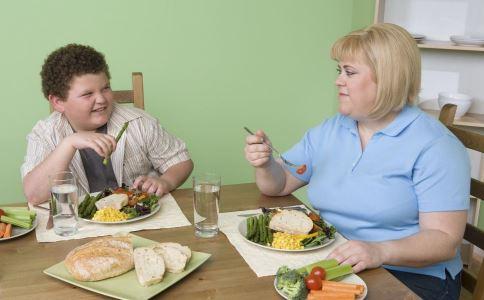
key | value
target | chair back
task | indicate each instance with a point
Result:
(135, 95)
(474, 235)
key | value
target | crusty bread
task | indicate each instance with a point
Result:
(175, 256)
(149, 266)
(291, 221)
(100, 259)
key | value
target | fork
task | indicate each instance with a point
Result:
(275, 150)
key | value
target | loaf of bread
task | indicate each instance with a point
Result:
(291, 221)
(101, 258)
(149, 266)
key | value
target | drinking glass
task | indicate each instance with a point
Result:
(64, 203)
(206, 196)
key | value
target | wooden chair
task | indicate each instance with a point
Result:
(474, 235)
(135, 95)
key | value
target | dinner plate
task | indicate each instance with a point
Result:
(352, 278)
(126, 286)
(19, 231)
(154, 211)
(243, 232)
(467, 40)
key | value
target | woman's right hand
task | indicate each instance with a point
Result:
(103, 144)
(257, 153)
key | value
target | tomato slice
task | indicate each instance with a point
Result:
(319, 272)
(313, 282)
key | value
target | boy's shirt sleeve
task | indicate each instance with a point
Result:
(165, 149)
(38, 148)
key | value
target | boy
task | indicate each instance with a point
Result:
(80, 134)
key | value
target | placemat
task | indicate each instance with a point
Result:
(169, 215)
(265, 262)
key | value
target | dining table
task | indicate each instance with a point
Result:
(225, 275)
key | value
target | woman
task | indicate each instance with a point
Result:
(393, 180)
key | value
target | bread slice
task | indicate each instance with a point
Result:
(100, 259)
(149, 266)
(291, 221)
(175, 256)
(184, 249)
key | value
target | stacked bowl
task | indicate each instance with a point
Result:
(467, 40)
(462, 101)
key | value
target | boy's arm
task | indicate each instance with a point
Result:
(173, 177)
(36, 182)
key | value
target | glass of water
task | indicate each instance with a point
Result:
(206, 196)
(63, 204)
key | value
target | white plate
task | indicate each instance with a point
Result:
(243, 232)
(154, 211)
(19, 231)
(418, 36)
(353, 278)
(466, 41)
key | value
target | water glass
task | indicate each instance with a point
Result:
(206, 196)
(64, 202)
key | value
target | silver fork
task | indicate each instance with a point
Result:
(275, 150)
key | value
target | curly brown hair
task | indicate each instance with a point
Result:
(63, 64)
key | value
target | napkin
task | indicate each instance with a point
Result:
(265, 262)
(169, 215)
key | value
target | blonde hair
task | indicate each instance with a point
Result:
(393, 56)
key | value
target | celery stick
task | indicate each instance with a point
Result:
(20, 217)
(338, 271)
(15, 222)
(325, 264)
(18, 211)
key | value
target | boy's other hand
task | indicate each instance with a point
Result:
(103, 144)
(152, 185)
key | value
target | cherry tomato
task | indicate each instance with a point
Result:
(301, 169)
(313, 282)
(319, 272)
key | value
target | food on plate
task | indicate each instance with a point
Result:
(301, 169)
(101, 258)
(317, 282)
(15, 216)
(149, 265)
(116, 201)
(109, 214)
(175, 256)
(128, 204)
(288, 229)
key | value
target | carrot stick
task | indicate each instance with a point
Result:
(328, 288)
(2, 229)
(324, 295)
(347, 286)
(8, 231)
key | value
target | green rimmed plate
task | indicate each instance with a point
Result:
(126, 286)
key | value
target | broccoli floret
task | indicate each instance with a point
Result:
(291, 283)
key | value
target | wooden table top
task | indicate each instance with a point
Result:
(224, 276)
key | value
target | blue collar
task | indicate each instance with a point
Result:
(406, 116)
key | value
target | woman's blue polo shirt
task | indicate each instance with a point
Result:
(413, 165)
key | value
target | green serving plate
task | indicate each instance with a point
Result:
(126, 286)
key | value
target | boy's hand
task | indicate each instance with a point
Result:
(257, 153)
(103, 144)
(152, 185)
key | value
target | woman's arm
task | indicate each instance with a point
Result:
(439, 237)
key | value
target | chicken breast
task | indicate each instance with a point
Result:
(291, 221)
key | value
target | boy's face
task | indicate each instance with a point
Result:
(89, 102)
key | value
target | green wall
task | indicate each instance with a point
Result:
(210, 67)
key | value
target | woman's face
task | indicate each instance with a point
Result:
(356, 89)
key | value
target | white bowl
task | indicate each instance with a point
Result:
(462, 101)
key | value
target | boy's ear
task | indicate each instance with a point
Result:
(57, 103)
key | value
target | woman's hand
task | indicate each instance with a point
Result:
(103, 144)
(152, 185)
(360, 255)
(257, 153)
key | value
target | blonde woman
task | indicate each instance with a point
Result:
(393, 180)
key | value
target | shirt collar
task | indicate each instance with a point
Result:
(404, 118)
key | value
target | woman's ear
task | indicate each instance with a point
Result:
(57, 103)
